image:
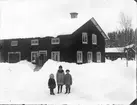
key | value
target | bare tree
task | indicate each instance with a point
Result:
(125, 21)
(126, 27)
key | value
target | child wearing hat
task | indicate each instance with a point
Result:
(68, 81)
(51, 84)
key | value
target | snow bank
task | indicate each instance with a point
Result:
(98, 82)
(110, 82)
(11, 76)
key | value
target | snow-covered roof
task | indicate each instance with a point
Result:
(99, 28)
(62, 26)
(71, 25)
(114, 49)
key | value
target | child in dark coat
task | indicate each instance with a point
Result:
(68, 81)
(51, 84)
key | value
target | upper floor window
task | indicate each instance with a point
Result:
(55, 41)
(14, 43)
(35, 42)
(84, 38)
(94, 39)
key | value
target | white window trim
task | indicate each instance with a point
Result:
(57, 52)
(89, 52)
(94, 39)
(34, 52)
(43, 52)
(34, 40)
(14, 53)
(81, 60)
(14, 43)
(84, 36)
(55, 41)
(97, 57)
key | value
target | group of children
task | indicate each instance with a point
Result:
(61, 79)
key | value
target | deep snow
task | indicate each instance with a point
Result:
(93, 83)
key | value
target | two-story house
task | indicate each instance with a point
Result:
(83, 45)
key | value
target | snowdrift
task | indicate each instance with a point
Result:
(109, 83)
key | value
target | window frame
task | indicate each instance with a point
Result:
(89, 60)
(14, 53)
(56, 53)
(98, 60)
(14, 43)
(54, 41)
(84, 37)
(43, 52)
(78, 59)
(34, 40)
(94, 39)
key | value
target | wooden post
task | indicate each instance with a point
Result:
(127, 59)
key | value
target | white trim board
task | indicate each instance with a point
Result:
(99, 28)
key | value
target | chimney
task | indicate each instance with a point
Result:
(73, 15)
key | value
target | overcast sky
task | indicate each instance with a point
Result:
(30, 18)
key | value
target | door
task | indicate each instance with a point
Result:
(55, 55)
(42, 57)
(89, 56)
(98, 56)
(79, 57)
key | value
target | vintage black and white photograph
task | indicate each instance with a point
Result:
(68, 52)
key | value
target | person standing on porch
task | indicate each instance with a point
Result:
(60, 79)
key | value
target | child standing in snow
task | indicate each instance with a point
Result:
(68, 81)
(51, 84)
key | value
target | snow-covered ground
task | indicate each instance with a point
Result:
(93, 83)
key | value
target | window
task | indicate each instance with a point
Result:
(34, 56)
(55, 41)
(79, 57)
(98, 56)
(14, 43)
(55, 55)
(14, 57)
(94, 39)
(84, 38)
(89, 56)
(35, 42)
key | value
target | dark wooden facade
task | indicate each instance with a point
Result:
(68, 46)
